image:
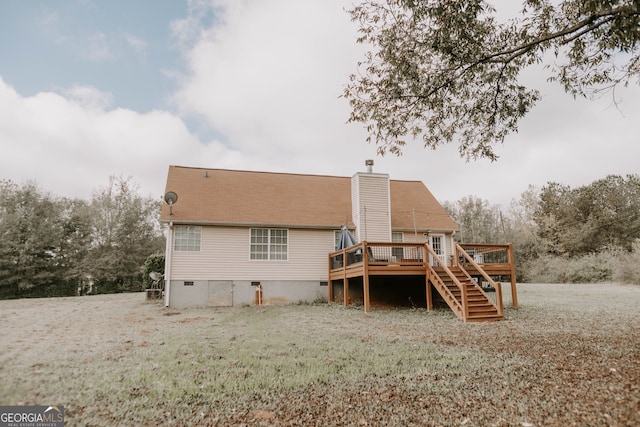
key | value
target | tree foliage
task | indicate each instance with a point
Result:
(51, 246)
(561, 234)
(591, 218)
(449, 70)
(123, 223)
(40, 242)
(479, 221)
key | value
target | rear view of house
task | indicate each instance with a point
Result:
(235, 236)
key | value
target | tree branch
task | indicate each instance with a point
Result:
(588, 22)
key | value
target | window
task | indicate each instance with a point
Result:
(187, 238)
(399, 251)
(336, 239)
(269, 243)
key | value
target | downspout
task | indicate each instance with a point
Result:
(167, 264)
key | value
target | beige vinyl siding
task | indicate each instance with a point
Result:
(224, 255)
(410, 237)
(448, 241)
(448, 248)
(371, 207)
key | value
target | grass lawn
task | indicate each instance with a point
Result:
(570, 355)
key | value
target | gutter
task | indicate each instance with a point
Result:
(255, 225)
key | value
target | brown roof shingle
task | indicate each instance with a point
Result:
(221, 196)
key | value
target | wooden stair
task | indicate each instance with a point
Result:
(479, 307)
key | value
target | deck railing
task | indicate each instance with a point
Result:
(489, 257)
(461, 307)
(467, 258)
(378, 253)
(344, 258)
(494, 260)
(485, 254)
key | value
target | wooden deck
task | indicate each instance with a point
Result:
(456, 278)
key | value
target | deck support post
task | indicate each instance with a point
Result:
(429, 297)
(365, 283)
(345, 292)
(330, 290)
(427, 283)
(514, 291)
(365, 276)
(345, 280)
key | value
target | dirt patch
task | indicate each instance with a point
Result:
(195, 319)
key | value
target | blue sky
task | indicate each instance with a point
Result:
(123, 48)
(91, 88)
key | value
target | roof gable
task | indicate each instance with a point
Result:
(232, 197)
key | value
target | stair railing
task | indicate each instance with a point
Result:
(497, 286)
(451, 300)
(461, 306)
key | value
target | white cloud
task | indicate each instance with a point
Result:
(268, 76)
(93, 46)
(97, 47)
(138, 44)
(89, 97)
(186, 31)
(71, 150)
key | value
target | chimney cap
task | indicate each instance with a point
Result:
(369, 164)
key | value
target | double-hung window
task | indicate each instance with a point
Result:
(187, 238)
(269, 243)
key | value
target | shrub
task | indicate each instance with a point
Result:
(615, 265)
(628, 270)
(153, 263)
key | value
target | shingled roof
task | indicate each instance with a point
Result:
(233, 197)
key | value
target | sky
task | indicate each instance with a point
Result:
(91, 89)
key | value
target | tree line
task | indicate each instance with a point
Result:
(562, 234)
(57, 246)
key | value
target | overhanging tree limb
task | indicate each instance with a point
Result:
(446, 70)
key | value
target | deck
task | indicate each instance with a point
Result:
(470, 264)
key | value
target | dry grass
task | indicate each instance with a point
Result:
(570, 355)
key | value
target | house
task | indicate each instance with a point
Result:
(241, 237)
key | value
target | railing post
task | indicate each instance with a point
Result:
(456, 256)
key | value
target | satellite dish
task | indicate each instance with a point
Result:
(155, 276)
(170, 197)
